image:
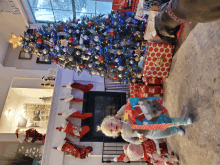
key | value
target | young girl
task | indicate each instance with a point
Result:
(112, 126)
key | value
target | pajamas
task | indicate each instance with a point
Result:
(159, 134)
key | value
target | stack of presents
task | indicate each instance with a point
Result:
(155, 64)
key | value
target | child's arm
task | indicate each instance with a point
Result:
(120, 112)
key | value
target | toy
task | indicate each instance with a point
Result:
(134, 152)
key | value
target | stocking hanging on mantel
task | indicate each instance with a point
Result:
(69, 148)
(71, 98)
(73, 130)
(75, 114)
(84, 88)
(30, 135)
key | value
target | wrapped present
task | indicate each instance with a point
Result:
(159, 58)
(124, 5)
(151, 91)
(135, 89)
(140, 12)
(148, 110)
(150, 32)
(152, 80)
(141, 63)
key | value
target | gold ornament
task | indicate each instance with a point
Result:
(119, 52)
(158, 62)
(137, 58)
(16, 41)
(138, 52)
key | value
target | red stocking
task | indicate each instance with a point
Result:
(73, 130)
(84, 88)
(163, 147)
(67, 146)
(76, 114)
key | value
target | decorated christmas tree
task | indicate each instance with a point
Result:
(110, 47)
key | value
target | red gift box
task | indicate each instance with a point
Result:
(152, 80)
(159, 57)
(151, 91)
(124, 5)
(135, 89)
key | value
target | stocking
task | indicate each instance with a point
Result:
(76, 114)
(84, 88)
(71, 98)
(75, 151)
(73, 130)
(163, 147)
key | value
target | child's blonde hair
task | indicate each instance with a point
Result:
(104, 127)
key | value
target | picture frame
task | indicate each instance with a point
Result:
(25, 55)
(41, 61)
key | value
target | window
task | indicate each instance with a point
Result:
(63, 10)
(101, 104)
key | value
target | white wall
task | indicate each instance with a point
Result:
(4, 47)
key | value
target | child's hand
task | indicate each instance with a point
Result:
(117, 117)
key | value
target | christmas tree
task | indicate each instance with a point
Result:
(110, 47)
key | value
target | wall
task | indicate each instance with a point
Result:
(11, 60)
(4, 47)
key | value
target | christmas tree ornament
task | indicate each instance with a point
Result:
(27, 37)
(84, 88)
(96, 38)
(102, 74)
(105, 33)
(117, 60)
(112, 32)
(51, 40)
(45, 51)
(131, 62)
(70, 40)
(107, 20)
(112, 65)
(119, 52)
(90, 65)
(55, 60)
(115, 77)
(100, 58)
(77, 31)
(78, 53)
(120, 76)
(123, 14)
(93, 72)
(51, 49)
(138, 52)
(85, 37)
(64, 42)
(73, 130)
(82, 66)
(64, 50)
(120, 68)
(97, 62)
(97, 47)
(15, 41)
(89, 24)
(89, 53)
(70, 30)
(70, 58)
(61, 28)
(137, 59)
(34, 30)
(139, 75)
(40, 40)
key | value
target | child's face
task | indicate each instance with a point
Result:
(115, 126)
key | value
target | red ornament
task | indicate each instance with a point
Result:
(35, 30)
(112, 65)
(115, 77)
(70, 40)
(112, 32)
(82, 66)
(107, 75)
(55, 60)
(122, 14)
(89, 24)
(107, 20)
(100, 58)
(40, 41)
(61, 28)
(51, 46)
